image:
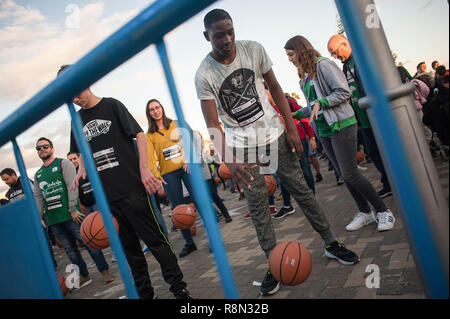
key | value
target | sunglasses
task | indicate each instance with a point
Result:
(46, 147)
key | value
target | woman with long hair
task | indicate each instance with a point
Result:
(326, 90)
(164, 141)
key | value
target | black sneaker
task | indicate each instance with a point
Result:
(339, 181)
(187, 249)
(182, 294)
(284, 212)
(337, 250)
(385, 192)
(269, 285)
(319, 178)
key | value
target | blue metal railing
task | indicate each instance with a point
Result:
(422, 240)
(147, 28)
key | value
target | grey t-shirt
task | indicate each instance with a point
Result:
(238, 90)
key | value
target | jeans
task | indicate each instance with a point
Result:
(374, 153)
(68, 233)
(306, 167)
(292, 178)
(341, 150)
(174, 190)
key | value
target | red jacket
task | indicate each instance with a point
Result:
(304, 122)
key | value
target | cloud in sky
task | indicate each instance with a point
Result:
(33, 48)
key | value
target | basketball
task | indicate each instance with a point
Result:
(193, 230)
(217, 180)
(58, 243)
(224, 172)
(162, 193)
(271, 184)
(359, 157)
(193, 206)
(93, 231)
(62, 284)
(183, 216)
(290, 263)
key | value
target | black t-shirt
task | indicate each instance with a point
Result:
(109, 129)
(85, 192)
(16, 192)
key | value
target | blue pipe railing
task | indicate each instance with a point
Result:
(201, 191)
(422, 240)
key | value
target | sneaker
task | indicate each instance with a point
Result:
(90, 265)
(270, 285)
(284, 211)
(187, 249)
(339, 181)
(273, 210)
(385, 192)
(107, 278)
(361, 168)
(386, 220)
(182, 294)
(247, 216)
(337, 250)
(319, 178)
(145, 250)
(84, 281)
(228, 218)
(361, 220)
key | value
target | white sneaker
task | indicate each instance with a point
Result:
(362, 219)
(386, 220)
(361, 168)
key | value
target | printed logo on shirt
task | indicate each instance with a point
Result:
(54, 169)
(105, 159)
(96, 128)
(171, 152)
(18, 194)
(239, 98)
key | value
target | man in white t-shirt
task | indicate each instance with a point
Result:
(230, 85)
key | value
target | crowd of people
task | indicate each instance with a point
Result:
(257, 130)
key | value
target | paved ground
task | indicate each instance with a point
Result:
(390, 251)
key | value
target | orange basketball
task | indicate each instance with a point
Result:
(271, 184)
(62, 284)
(224, 172)
(290, 263)
(193, 206)
(359, 157)
(162, 193)
(93, 231)
(58, 243)
(193, 230)
(183, 216)
(217, 180)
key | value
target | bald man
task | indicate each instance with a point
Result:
(340, 49)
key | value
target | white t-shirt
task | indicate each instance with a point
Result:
(238, 90)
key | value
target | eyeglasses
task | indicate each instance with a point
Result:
(336, 51)
(157, 107)
(46, 147)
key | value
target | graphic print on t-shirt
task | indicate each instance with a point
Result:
(171, 152)
(105, 159)
(96, 128)
(239, 98)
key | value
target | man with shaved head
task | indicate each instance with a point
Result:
(340, 49)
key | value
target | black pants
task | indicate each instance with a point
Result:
(215, 197)
(136, 220)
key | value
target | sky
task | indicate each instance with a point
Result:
(36, 37)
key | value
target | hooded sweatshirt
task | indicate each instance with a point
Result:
(420, 93)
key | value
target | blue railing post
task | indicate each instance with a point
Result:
(34, 215)
(411, 204)
(201, 191)
(102, 203)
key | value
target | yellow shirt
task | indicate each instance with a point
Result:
(164, 146)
